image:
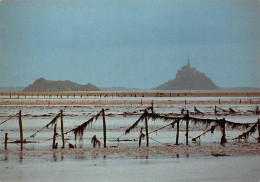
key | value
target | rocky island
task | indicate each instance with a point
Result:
(189, 78)
(43, 85)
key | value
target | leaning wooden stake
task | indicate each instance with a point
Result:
(187, 128)
(223, 129)
(215, 111)
(141, 136)
(152, 108)
(54, 145)
(146, 130)
(177, 134)
(104, 128)
(6, 140)
(258, 130)
(21, 128)
(62, 129)
(95, 141)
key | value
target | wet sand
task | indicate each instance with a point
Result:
(235, 161)
(133, 103)
(229, 149)
(134, 98)
(138, 93)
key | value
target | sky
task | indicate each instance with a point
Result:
(129, 43)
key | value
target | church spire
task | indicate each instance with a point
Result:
(187, 66)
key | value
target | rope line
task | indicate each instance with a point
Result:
(54, 120)
(33, 135)
(19, 144)
(135, 139)
(208, 130)
(158, 141)
(9, 118)
(161, 128)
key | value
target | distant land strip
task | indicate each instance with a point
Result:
(175, 93)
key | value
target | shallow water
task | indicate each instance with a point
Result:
(118, 118)
(192, 168)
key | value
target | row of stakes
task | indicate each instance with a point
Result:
(55, 134)
(95, 141)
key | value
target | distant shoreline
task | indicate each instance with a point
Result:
(139, 93)
(132, 98)
(125, 89)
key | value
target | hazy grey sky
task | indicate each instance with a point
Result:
(129, 43)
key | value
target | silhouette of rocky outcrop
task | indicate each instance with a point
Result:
(188, 78)
(42, 85)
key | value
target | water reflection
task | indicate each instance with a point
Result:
(6, 156)
(146, 162)
(94, 155)
(104, 160)
(62, 156)
(21, 156)
(54, 156)
(80, 157)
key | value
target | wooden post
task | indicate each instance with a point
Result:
(6, 140)
(104, 128)
(54, 145)
(146, 130)
(93, 140)
(218, 101)
(62, 130)
(177, 134)
(258, 130)
(21, 128)
(187, 127)
(223, 129)
(140, 136)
